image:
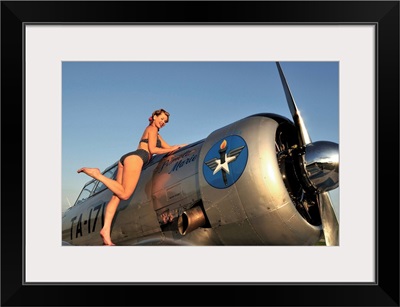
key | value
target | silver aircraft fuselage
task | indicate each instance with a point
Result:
(238, 186)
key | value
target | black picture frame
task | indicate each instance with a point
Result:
(383, 14)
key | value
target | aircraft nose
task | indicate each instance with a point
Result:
(321, 161)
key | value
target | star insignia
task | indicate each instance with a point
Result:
(215, 164)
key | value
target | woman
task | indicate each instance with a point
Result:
(129, 168)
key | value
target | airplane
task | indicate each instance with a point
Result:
(257, 181)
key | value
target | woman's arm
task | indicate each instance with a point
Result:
(165, 145)
(153, 149)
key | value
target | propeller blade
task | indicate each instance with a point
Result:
(330, 225)
(298, 120)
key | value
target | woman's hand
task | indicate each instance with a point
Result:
(174, 148)
(181, 145)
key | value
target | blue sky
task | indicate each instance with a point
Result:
(106, 105)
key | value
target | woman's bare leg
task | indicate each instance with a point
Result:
(105, 232)
(112, 206)
(92, 172)
(128, 177)
(131, 173)
(95, 173)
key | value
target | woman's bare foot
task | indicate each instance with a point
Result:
(106, 238)
(92, 172)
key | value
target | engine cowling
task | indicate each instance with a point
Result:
(243, 188)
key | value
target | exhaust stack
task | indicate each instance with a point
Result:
(191, 220)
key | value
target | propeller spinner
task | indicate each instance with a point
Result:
(320, 168)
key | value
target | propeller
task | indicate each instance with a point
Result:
(320, 162)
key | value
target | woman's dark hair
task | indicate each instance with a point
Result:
(157, 113)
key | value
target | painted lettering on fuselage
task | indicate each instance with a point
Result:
(179, 161)
(77, 222)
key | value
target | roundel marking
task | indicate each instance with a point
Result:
(225, 162)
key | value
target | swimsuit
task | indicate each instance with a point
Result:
(147, 141)
(142, 153)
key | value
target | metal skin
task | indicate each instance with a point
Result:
(321, 160)
(175, 204)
